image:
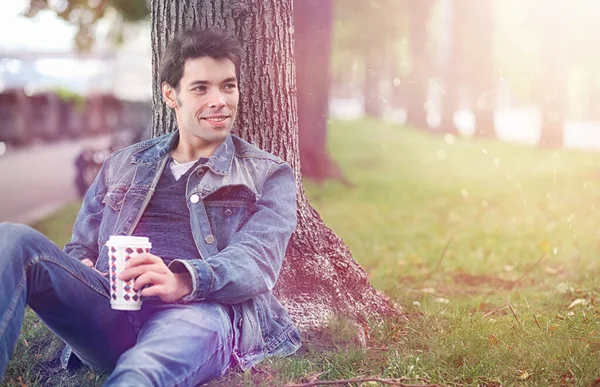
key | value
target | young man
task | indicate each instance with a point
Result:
(219, 213)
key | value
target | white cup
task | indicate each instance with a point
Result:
(123, 296)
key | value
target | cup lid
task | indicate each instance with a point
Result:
(128, 240)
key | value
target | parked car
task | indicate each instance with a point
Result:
(89, 161)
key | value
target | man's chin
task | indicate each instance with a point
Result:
(217, 136)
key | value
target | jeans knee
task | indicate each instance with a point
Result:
(18, 238)
(16, 233)
(138, 367)
(155, 367)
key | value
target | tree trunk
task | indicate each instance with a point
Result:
(312, 37)
(591, 112)
(373, 102)
(319, 278)
(416, 114)
(452, 60)
(553, 81)
(373, 46)
(481, 58)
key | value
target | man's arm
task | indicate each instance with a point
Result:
(84, 241)
(250, 264)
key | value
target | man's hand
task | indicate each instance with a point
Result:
(89, 263)
(148, 269)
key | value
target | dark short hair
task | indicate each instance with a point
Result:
(197, 43)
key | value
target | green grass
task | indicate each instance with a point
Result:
(521, 225)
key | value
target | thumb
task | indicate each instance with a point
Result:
(87, 262)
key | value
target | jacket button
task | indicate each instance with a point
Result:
(228, 212)
(200, 172)
(194, 198)
(209, 239)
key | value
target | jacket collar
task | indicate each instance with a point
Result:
(219, 162)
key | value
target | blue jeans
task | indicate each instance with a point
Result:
(161, 345)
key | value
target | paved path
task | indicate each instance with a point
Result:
(39, 179)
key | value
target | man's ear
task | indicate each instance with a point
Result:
(169, 95)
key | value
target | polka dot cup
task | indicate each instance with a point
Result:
(123, 295)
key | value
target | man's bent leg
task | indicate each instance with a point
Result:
(179, 345)
(71, 298)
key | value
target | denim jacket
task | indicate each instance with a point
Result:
(242, 205)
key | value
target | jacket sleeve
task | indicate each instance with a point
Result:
(250, 264)
(84, 241)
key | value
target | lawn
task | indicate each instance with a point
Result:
(489, 247)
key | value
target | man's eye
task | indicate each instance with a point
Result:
(230, 86)
(199, 88)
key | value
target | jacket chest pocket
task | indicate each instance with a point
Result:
(120, 204)
(117, 194)
(228, 209)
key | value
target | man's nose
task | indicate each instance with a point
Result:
(216, 99)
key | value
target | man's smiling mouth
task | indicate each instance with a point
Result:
(216, 119)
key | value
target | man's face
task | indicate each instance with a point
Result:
(206, 102)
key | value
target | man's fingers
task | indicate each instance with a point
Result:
(160, 291)
(138, 270)
(141, 259)
(148, 278)
(156, 290)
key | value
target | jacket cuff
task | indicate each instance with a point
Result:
(202, 277)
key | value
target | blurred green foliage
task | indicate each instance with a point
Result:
(77, 100)
(84, 14)
(131, 10)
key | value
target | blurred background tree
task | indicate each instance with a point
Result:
(313, 34)
(368, 37)
(480, 63)
(421, 63)
(452, 62)
(552, 83)
(84, 14)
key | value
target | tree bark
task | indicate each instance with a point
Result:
(416, 114)
(312, 38)
(319, 279)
